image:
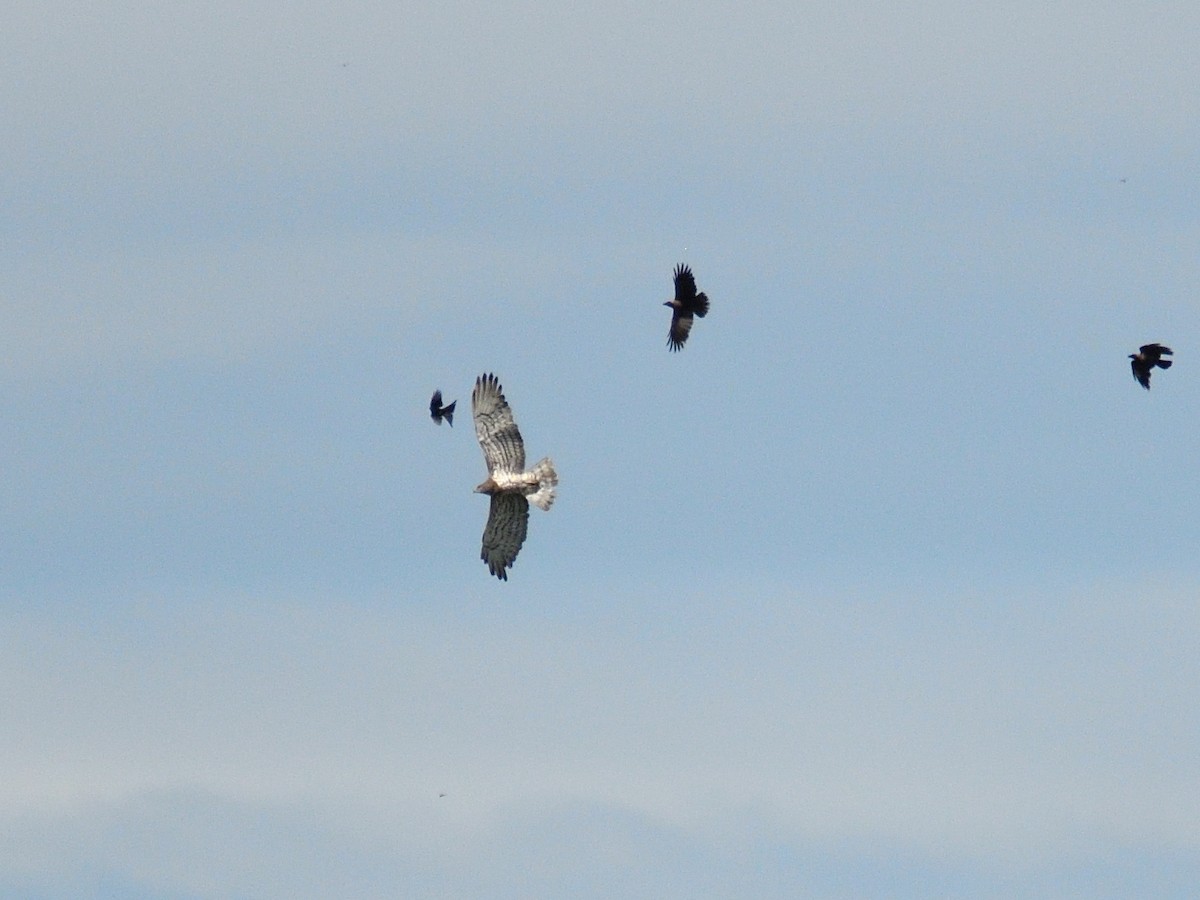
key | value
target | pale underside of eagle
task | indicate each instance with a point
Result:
(511, 487)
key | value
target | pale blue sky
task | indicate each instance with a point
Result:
(886, 586)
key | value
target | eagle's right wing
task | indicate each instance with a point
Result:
(508, 519)
(503, 449)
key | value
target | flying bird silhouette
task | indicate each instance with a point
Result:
(1143, 362)
(687, 303)
(511, 487)
(439, 412)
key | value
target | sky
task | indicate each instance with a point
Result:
(885, 586)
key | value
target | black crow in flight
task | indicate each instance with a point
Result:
(687, 303)
(1144, 361)
(439, 412)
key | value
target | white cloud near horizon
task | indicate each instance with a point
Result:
(1021, 732)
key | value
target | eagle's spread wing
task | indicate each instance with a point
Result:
(503, 449)
(504, 533)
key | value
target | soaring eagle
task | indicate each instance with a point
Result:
(1144, 361)
(512, 488)
(439, 412)
(687, 303)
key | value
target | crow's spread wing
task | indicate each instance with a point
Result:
(681, 326)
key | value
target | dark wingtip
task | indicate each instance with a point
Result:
(486, 380)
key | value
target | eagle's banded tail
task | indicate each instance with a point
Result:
(547, 479)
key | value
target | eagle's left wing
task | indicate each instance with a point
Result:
(503, 449)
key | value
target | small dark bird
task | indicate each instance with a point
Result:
(1144, 361)
(687, 303)
(440, 412)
